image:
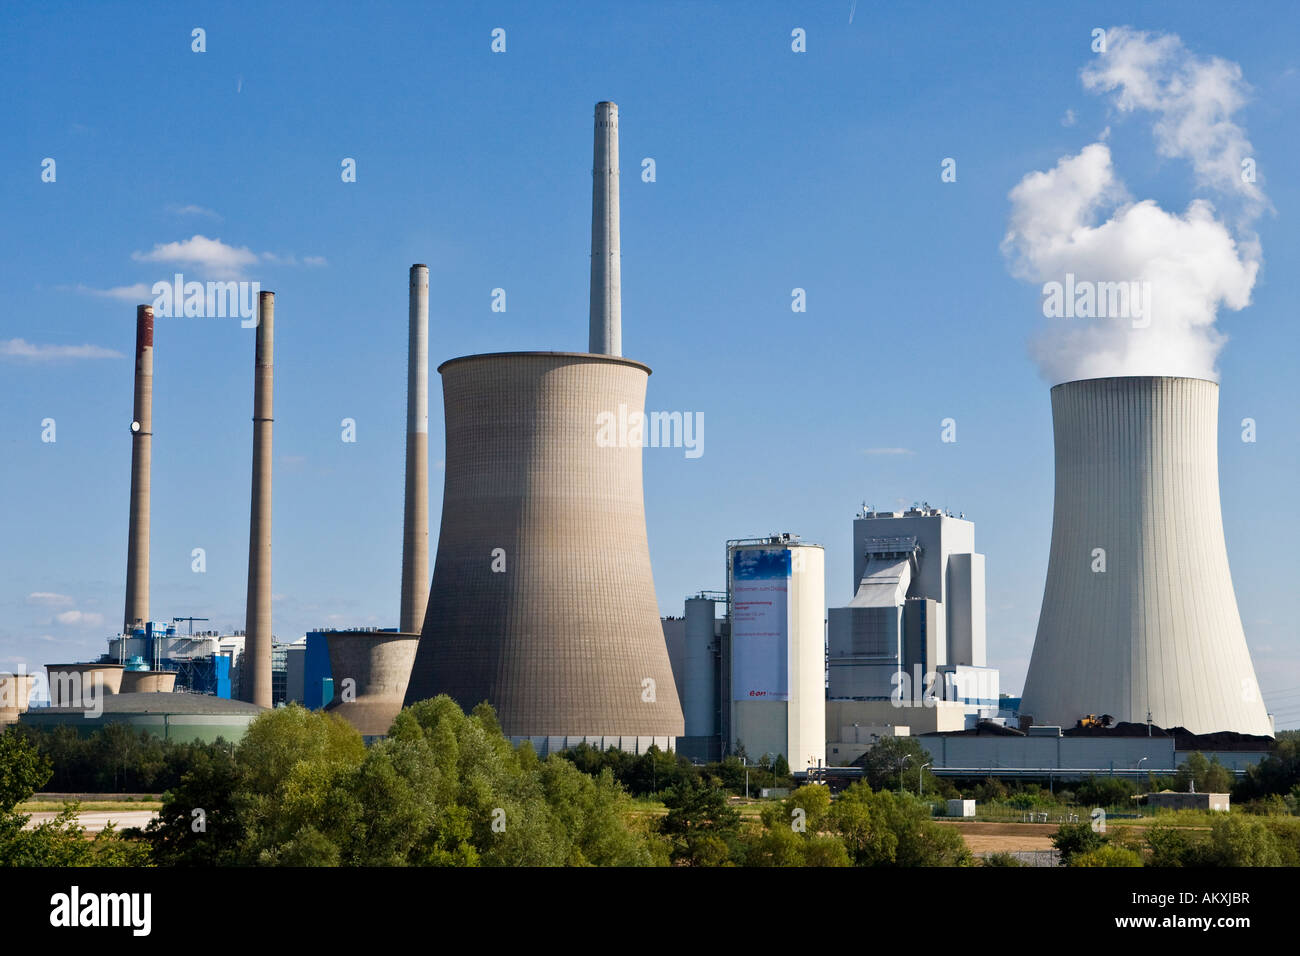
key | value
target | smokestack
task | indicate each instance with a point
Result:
(415, 529)
(256, 681)
(137, 543)
(606, 285)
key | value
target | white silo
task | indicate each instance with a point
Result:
(777, 609)
(1139, 618)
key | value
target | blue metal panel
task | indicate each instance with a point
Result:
(316, 672)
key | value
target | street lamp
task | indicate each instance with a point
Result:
(906, 758)
(919, 783)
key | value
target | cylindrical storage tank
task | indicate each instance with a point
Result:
(778, 650)
(543, 601)
(148, 682)
(1139, 615)
(75, 685)
(700, 682)
(370, 670)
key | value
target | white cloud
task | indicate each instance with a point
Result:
(27, 351)
(212, 257)
(1191, 261)
(292, 260)
(1078, 219)
(79, 618)
(48, 599)
(123, 293)
(192, 210)
(1193, 99)
(1069, 118)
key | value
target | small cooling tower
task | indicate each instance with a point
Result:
(1139, 616)
(370, 671)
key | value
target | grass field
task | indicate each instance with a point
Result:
(89, 806)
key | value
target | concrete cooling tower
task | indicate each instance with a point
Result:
(1139, 617)
(543, 600)
(378, 663)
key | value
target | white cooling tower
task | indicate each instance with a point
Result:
(1139, 615)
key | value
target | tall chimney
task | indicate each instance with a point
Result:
(415, 529)
(256, 679)
(606, 285)
(137, 543)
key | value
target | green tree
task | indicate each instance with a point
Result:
(1106, 856)
(212, 837)
(701, 826)
(1209, 776)
(1076, 838)
(1105, 792)
(794, 834)
(57, 842)
(888, 829)
(292, 764)
(810, 805)
(1277, 773)
(1170, 846)
(899, 760)
(863, 828)
(1238, 841)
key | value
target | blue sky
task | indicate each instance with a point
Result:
(775, 170)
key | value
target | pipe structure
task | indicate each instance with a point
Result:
(255, 684)
(415, 528)
(137, 543)
(606, 278)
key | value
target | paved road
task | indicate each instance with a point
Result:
(96, 820)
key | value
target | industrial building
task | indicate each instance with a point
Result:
(754, 679)
(180, 717)
(907, 655)
(1139, 618)
(542, 600)
(776, 591)
(698, 669)
(204, 663)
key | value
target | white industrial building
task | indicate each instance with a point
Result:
(907, 653)
(776, 693)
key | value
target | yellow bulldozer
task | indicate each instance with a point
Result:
(1088, 721)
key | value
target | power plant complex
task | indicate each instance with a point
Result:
(541, 598)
